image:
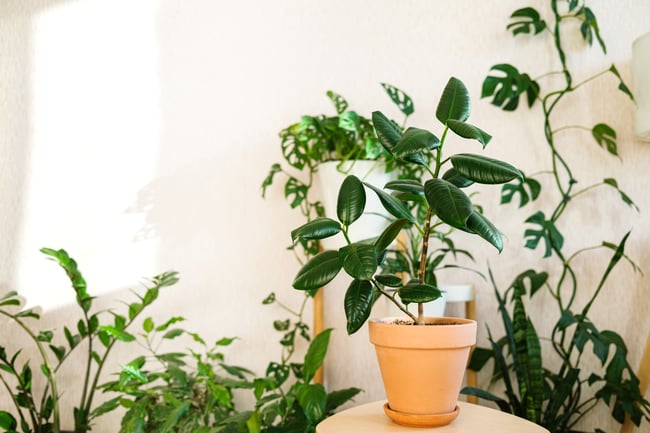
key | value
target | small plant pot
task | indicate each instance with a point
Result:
(422, 367)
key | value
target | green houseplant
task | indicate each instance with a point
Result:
(560, 394)
(97, 333)
(192, 391)
(445, 203)
(345, 139)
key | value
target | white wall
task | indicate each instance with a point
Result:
(136, 135)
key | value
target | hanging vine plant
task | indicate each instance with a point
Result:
(558, 398)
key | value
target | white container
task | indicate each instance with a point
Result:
(375, 218)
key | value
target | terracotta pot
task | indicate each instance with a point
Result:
(423, 367)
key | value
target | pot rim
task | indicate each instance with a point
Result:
(460, 333)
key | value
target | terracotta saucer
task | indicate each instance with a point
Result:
(411, 420)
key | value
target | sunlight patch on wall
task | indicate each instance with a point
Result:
(95, 133)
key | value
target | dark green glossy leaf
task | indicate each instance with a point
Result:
(392, 204)
(389, 234)
(487, 395)
(318, 271)
(389, 280)
(411, 186)
(605, 137)
(479, 357)
(319, 228)
(448, 202)
(472, 132)
(415, 141)
(315, 354)
(358, 304)
(401, 99)
(339, 397)
(485, 229)
(484, 170)
(359, 260)
(529, 282)
(454, 177)
(507, 89)
(527, 20)
(351, 200)
(340, 104)
(312, 399)
(387, 131)
(414, 292)
(454, 103)
(547, 232)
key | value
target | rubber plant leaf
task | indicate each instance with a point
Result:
(387, 131)
(389, 280)
(484, 170)
(410, 186)
(357, 304)
(389, 234)
(399, 98)
(454, 103)
(315, 354)
(485, 229)
(393, 205)
(351, 200)
(359, 260)
(415, 141)
(319, 228)
(414, 292)
(448, 202)
(320, 270)
(469, 131)
(453, 176)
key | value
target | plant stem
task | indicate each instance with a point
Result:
(50, 377)
(394, 301)
(423, 261)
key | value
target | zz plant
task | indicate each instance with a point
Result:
(38, 409)
(193, 391)
(442, 197)
(558, 394)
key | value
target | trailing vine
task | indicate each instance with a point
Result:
(557, 399)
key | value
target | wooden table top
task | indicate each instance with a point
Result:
(473, 418)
